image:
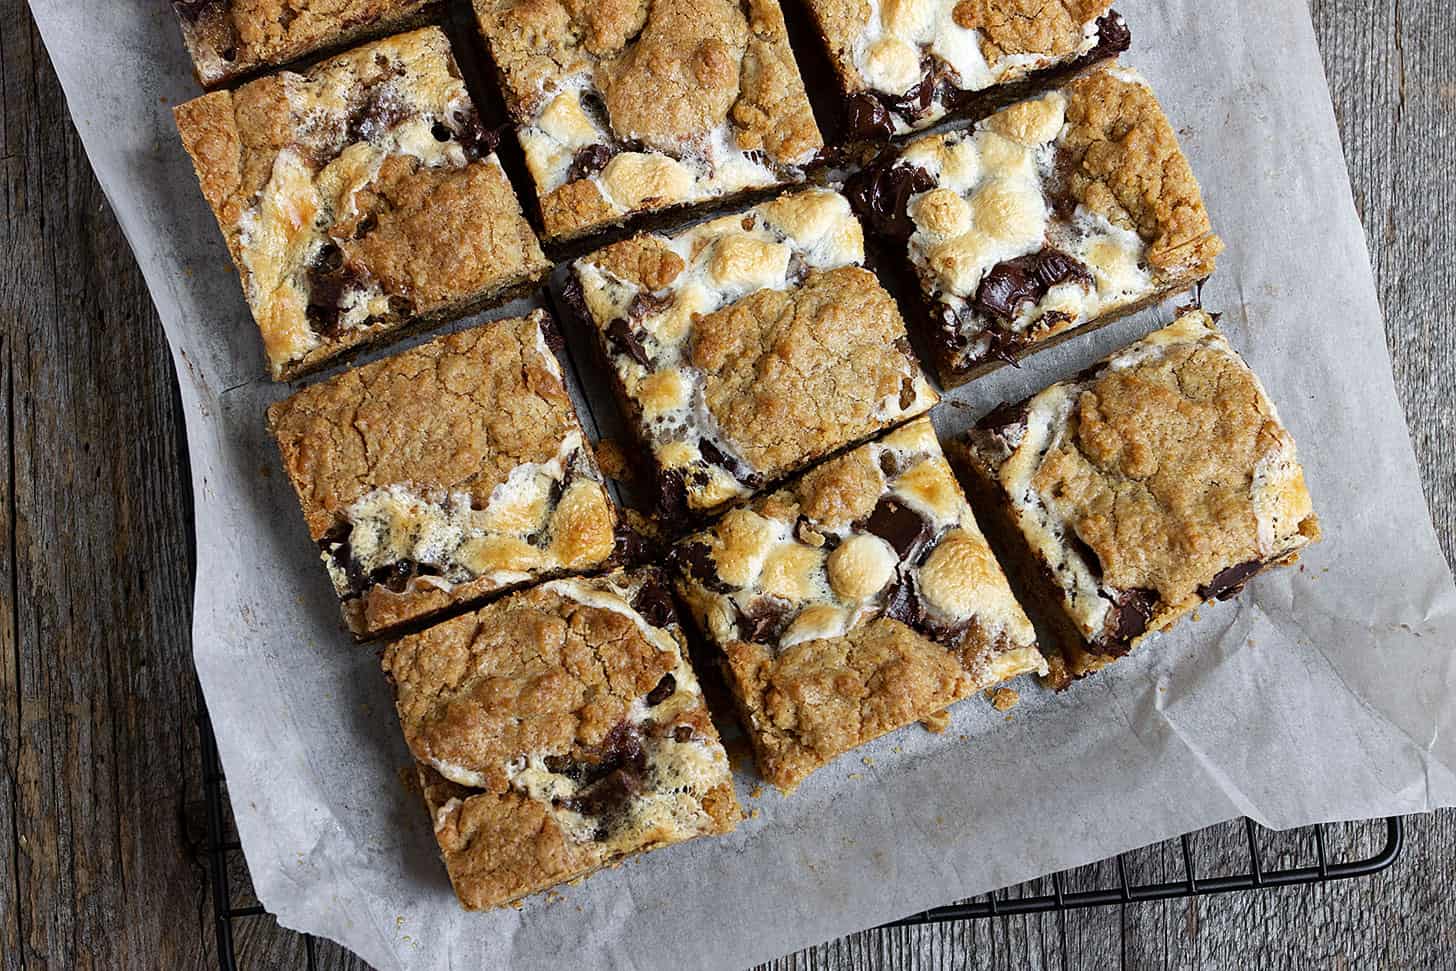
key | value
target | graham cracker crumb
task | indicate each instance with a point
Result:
(1004, 699)
(938, 722)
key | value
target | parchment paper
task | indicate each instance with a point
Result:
(1321, 694)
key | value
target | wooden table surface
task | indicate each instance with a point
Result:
(101, 781)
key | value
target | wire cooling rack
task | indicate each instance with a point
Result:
(1112, 884)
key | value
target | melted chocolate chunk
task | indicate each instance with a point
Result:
(610, 792)
(903, 604)
(739, 470)
(683, 733)
(865, 116)
(1227, 583)
(1113, 37)
(881, 193)
(551, 333)
(948, 635)
(1026, 279)
(589, 161)
(336, 544)
(477, 140)
(381, 109)
(670, 496)
(763, 622)
(1127, 620)
(1007, 420)
(625, 340)
(663, 691)
(329, 278)
(646, 303)
(1087, 553)
(696, 560)
(612, 774)
(654, 603)
(900, 526)
(949, 339)
(631, 546)
(939, 83)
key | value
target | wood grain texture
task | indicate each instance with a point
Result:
(100, 782)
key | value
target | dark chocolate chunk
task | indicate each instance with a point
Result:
(477, 140)
(336, 544)
(900, 526)
(654, 603)
(949, 337)
(696, 560)
(551, 333)
(670, 496)
(663, 691)
(626, 341)
(329, 277)
(589, 161)
(881, 193)
(608, 793)
(1087, 553)
(380, 110)
(1026, 279)
(1113, 37)
(1127, 620)
(631, 546)
(939, 83)
(903, 604)
(866, 117)
(763, 621)
(647, 303)
(1227, 583)
(396, 576)
(739, 470)
(683, 733)
(1007, 420)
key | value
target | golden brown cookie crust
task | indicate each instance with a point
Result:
(355, 198)
(1028, 26)
(1123, 161)
(474, 433)
(230, 39)
(513, 710)
(673, 79)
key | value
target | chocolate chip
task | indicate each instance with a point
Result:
(654, 603)
(589, 161)
(865, 116)
(907, 392)
(1227, 583)
(881, 193)
(663, 691)
(900, 526)
(1026, 279)
(763, 621)
(441, 131)
(683, 733)
(626, 341)
(1127, 619)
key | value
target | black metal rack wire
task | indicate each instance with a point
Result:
(221, 846)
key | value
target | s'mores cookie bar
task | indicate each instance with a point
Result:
(1057, 214)
(1158, 479)
(858, 599)
(454, 470)
(359, 197)
(625, 108)
(559, 731)
(231, 39)
(904, 65)
(748, 347)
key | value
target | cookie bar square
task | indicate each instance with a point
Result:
(1128, 495)
(446, 473)
(557, 732)
(623, 108)
(1054, 215)
(232, 39)
(359, 197)
(748, 347)
(854, 601)
(904, 65)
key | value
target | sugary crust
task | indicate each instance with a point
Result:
(559, 730)
(358, 197)
(750, 345)
(464, 454)
(230, 39)
(857, 599)
(1160, 479)
(1123, 161)
(708, 91)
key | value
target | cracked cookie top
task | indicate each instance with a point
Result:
(1159, 479)
(1051, 213)
(444, 473)
(750, 345)
(906, 64)
(871, 558)
(358, 195)
(627, 106)
(559, 730)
